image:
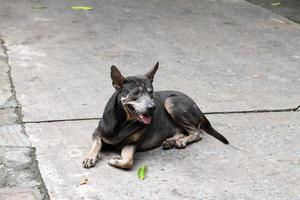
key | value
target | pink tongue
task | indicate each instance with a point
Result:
(146, 119)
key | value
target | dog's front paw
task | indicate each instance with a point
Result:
(120, 163)
(180, 144)
(114, 161)
(89, 162)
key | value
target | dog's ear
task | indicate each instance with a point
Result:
(152, 72)
(116, 77)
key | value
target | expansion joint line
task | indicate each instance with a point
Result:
(296, 109)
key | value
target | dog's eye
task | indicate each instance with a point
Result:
(136, 92)
(150, 90)
(151, 93)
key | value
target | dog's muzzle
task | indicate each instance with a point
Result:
(142, 108)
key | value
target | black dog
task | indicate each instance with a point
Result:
(137, 119)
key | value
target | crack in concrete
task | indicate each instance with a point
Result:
(10, 103)
(62, 120)
(16, 147)
(18, 108)
(296, 109)
(18, 111)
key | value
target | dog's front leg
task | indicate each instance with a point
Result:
(126, 161)
(94, 153)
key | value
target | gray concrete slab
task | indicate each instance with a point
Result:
(19, 175)
(7, 101)
(13, 136)
(5, 89)
(286, 8)
(226, 54)
(11, 133)
(8, 116)
(19, 193)
(262, 162)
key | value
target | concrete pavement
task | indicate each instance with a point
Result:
(235, 56)
(262, 162)
(229, 55)
(19, 174)
(287, 8)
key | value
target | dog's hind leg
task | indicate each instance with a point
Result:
(94, 153)
(170, 142)
(194, 135)
(126, 161)
(187, 116)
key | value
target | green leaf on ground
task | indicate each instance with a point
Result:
(82, 8)
(275, 4)
(38, 7)
(142, 172)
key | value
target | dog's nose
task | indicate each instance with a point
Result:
(151, 108)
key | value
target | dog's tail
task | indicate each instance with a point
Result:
(206, 126)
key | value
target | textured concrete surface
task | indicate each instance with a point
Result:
(262, 162)
(286, 8)
(5, 89)
(226, 54)
(20, 193)
(7, 116)
(19, 175)
(7, 102)
(14, 136)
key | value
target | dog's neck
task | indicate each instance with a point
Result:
(114, 114)
(114, 124)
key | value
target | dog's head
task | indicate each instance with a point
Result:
(136, 94)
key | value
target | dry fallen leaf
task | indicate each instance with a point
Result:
(83, 180)
(38, 7)
(275, 4)
(82, 8)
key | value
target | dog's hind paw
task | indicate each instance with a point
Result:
(168, 144)
(180, 144)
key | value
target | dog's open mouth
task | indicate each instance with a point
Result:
(144, 118)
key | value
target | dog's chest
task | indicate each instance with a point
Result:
(134, 138)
